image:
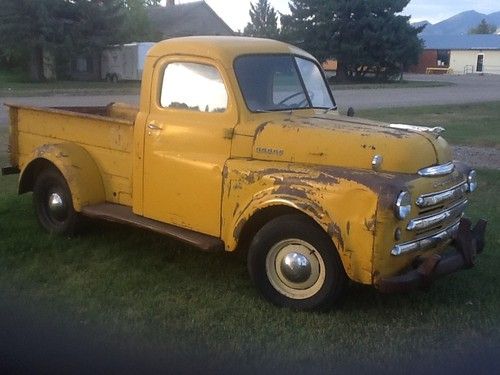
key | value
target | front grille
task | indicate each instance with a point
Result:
(438, 210)
(436, 220)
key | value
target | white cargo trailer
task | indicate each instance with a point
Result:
(124, 62)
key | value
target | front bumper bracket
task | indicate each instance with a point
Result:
(468, 244)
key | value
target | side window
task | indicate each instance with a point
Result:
(193, 87)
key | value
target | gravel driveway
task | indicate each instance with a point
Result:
(465, 89)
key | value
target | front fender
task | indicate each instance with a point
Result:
(296, 198)
(76, 165)
(341, 204)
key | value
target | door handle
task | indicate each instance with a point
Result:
(153, 127)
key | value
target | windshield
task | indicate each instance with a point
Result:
(281, 82)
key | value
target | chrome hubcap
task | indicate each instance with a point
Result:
(295, 268)
(56, 206)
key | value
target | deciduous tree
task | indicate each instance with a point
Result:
(137, 27)
(27, 29)
(64, 29)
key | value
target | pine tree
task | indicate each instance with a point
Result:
(483, 28)
(361, 35)
(264, 21)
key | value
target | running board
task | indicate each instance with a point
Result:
(124, 215)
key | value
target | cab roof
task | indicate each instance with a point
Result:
(222, 48)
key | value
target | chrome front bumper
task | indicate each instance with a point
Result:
(467, 242)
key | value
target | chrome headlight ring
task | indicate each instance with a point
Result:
(472, 181)
(402, 207)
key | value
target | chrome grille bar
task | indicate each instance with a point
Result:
(427, 200)
(437, 170)
(429, 221)
(427, 242)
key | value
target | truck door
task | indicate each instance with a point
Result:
(187, 144)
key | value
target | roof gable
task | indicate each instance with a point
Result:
(196, 18)
(462, 42)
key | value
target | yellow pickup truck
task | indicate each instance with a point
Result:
(237, 144)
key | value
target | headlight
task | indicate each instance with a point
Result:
(472, 181)
(403, 205)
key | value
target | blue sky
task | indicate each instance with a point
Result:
(235, 12)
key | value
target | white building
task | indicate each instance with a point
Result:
(467, 53)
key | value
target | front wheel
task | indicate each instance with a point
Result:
(294, 264)
(54, 204)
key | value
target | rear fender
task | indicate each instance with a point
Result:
(75, 164)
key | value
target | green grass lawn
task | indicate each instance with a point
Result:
(466, 124)
(388, 85)
(13, 89)
(141, 292)
(9, 76)
(140, 289)
(15, 83)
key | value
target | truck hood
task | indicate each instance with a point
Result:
(342, 141)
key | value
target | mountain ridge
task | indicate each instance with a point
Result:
(459, 24)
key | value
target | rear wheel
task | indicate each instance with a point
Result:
(54, 204)
(294, 264)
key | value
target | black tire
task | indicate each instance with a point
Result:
(53, 203)
(316, 283)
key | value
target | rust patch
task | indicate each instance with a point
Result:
(260, 128)
(225, 171)
(42, 150)
(238, 229)
(292, 190)
(370, 224)
(236, 208)
(385, 185)
(340, 122)
(314, 211)
(334, 232)
(250, 177)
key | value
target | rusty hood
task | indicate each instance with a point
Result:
(347, 142)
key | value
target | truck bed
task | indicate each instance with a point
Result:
(106, 133)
